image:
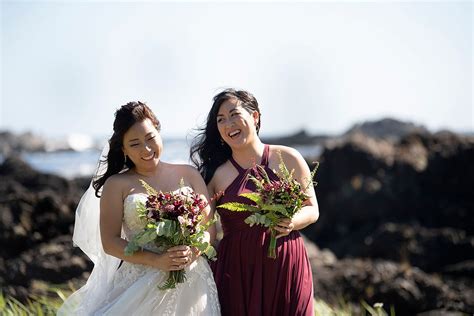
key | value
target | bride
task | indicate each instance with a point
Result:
(128, 285)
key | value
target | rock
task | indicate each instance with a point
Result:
(34, 207)
(53, 262)
(365, 182)
(431, 249)
(408, 289)
(387, 128)
(11, 143)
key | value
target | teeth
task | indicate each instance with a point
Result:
(234, 133)
(149, 157)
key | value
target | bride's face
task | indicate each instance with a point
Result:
(142, 144)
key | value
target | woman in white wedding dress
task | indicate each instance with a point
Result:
(128, 285)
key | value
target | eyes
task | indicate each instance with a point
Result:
(221, 118)
(149, 138)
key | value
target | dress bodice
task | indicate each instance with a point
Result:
(132, 224)
(234, 221)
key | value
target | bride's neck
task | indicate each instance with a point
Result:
(149, 173)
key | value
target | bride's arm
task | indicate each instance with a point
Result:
(111, 216)
(199, 187)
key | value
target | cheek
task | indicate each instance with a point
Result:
(220, 129)
(131, 152)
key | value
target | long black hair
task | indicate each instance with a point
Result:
(208, 150)
(125, 117)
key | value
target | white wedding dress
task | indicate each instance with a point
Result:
(132, 289)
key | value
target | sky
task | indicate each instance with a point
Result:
(66, 66)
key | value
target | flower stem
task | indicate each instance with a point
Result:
(272, 245)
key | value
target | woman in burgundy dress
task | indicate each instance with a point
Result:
(248, 282)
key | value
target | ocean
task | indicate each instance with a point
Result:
(72, 164)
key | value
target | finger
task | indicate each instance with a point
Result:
(280, 229)
(178, 254)
(284, 221)
(180, 260)
(178, 248)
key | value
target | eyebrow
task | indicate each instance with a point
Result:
(234, 109)
(136, 139)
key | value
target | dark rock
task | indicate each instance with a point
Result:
(56, 262)
(408, 289)
(365, 182)
(34, 207)
(387, 128)
(430, 249)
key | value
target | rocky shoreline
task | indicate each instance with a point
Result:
(395, 227)
(396, 217)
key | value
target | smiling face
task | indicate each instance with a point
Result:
(236, 125)
(142, 143)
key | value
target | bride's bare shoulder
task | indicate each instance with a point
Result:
(118, 182)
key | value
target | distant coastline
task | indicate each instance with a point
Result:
(78, 155)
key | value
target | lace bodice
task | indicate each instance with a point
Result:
(132, 224)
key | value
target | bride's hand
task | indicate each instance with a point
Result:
(175, 258)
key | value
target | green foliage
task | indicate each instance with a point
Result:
(45, 305)
(140, 240)
(48, 304)
(174, 278)
(273, 200)
(377, 309)
(149, 189)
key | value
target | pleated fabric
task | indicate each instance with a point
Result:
(248, 282)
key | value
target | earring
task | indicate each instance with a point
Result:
(222, 142)
(125, 158)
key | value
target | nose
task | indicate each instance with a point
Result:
(147, 147)
(229, 123)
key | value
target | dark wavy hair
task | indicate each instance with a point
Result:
(115, 161)
(208, 151)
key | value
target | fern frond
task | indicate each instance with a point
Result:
(278, 208)
(252, 196)
(149, 189)
(235, 206)
(281, 165)
(313, 173)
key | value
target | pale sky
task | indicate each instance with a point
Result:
(322, 66)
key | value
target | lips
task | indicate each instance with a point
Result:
(235, 133)
(149, 157)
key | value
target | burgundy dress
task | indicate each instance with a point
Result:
(248, 282)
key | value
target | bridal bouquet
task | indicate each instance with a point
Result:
(273, 200)
(172, 219)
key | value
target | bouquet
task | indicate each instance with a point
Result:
(172, 219)
(273, 200)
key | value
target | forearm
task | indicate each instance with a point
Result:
(212, 233)
(116, 247)
(306, 216)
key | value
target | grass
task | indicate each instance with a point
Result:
(48, 305)
(35, 305)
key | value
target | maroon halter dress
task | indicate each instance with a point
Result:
(248, 282)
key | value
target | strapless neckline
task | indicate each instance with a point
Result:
(129, 196)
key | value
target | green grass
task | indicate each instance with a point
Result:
(343, 308)
(35, 305)
(48, 305)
